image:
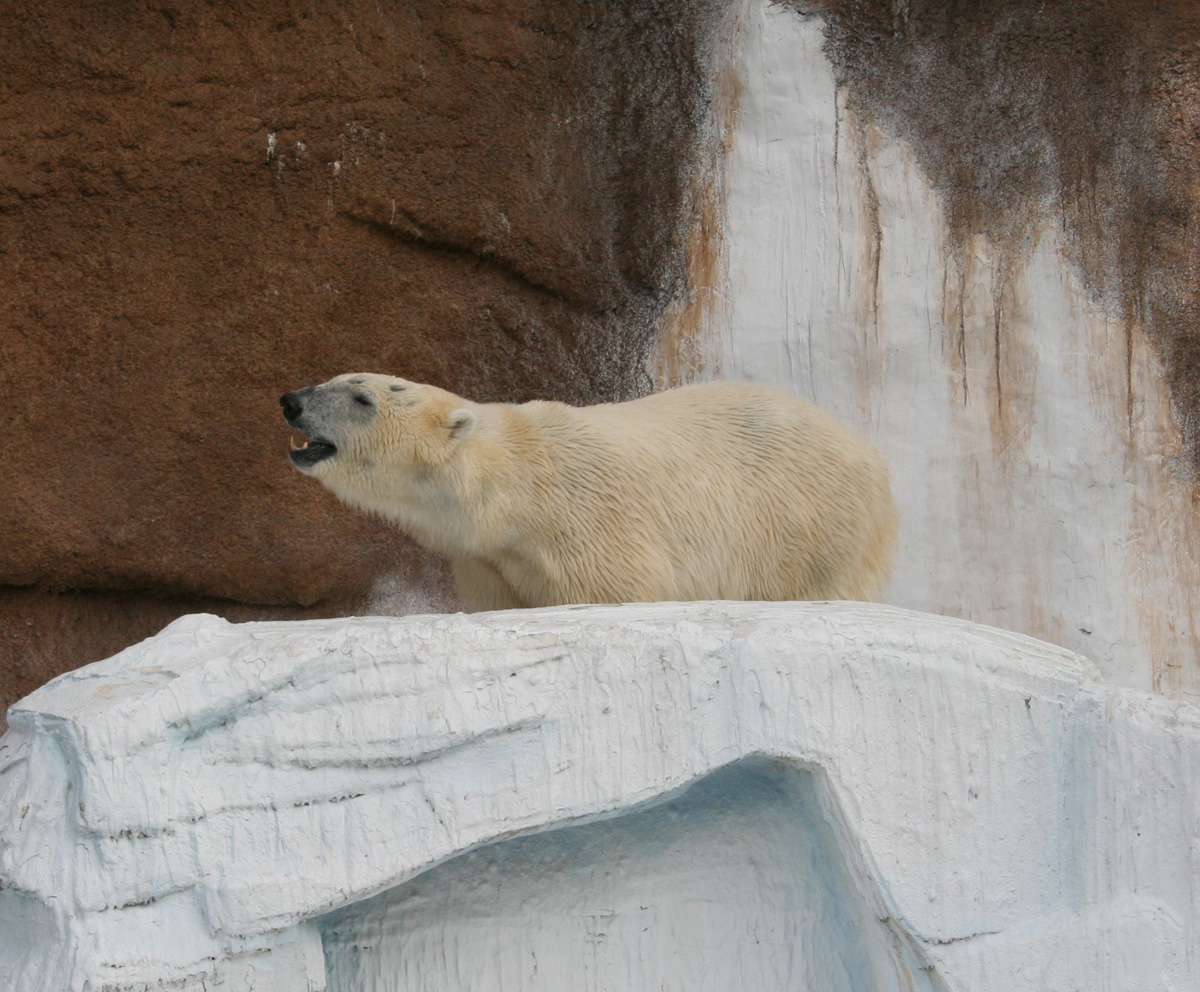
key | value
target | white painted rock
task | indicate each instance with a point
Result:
(748, 796)
(1035, 457)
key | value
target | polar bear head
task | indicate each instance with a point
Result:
(367, 433)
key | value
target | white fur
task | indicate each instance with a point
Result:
(710, 491)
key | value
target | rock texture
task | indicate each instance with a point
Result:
(204, 205)
(828, 796)
(991, 204)
(1088, 111)
(896, 252)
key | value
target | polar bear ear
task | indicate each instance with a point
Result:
(460, 423)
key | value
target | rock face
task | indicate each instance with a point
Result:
(941, 224)
(969, 230)
(202, 206)
(804, 796)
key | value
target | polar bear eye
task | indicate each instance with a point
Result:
(363, 401)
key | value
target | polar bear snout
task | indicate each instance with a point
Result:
(317, 448)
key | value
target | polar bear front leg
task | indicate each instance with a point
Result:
(482, 587)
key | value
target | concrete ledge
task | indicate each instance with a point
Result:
(226, 806)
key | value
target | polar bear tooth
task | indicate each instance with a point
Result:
(299, 445)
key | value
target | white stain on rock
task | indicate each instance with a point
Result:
(1030, 436)
(810, 796)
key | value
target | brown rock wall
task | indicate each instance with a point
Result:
(204, 205)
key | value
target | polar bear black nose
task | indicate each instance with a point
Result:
(292, 407)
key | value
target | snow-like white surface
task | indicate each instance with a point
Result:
(808, 796)
(1033, 451)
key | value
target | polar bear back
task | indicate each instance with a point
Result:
(717, 491)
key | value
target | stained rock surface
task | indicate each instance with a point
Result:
(832, 795)
(937, 228)
(1085, 110)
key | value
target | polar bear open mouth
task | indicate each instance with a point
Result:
(307, 453)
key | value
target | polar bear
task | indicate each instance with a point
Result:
(718, 490)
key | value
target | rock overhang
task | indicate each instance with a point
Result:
(247, 779)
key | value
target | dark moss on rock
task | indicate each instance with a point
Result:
(1083, 111)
